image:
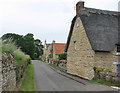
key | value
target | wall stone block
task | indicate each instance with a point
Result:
(8, 72)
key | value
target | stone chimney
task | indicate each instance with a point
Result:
(45, 41)
(79, 6)
(53, 41)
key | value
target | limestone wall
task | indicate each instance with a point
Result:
(106, 59)
(80, 56)
(8, 73)
(54, 55)
(48, 52)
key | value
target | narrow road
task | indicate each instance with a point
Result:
(47, 79)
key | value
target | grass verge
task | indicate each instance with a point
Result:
(100, 81)
(61, 69)
(28, 82)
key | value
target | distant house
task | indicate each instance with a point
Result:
(47, 51)
(57, 48)
(52, 50)
(92, 41)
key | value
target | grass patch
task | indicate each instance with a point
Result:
(28, 82)
(100, 81)
(61, 69)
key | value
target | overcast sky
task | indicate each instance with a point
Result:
(46, 19)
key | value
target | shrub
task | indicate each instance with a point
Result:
(99, 69)
(62, 56)
(95, 68)
(8, 47)
(108, 70)
(28, 59)
(19, 56)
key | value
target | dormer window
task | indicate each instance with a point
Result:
(75, 45)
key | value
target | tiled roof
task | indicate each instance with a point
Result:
(59, 48)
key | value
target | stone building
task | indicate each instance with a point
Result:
(47, 51)
(92, 41)
(52, 50)
(57, 48)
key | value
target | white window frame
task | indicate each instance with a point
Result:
(117, 63)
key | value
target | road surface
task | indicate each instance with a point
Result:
(47, 79)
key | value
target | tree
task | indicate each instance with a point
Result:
(29, 47)
(26, 43)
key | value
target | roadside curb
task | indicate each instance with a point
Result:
(79, 80)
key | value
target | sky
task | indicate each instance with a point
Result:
(47, 19)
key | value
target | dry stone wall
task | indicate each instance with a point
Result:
(0, 73)
(106, 59)
(108, 76)
(8, 72)
(59, 63)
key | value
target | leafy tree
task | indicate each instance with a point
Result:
(29, 47)
(38, 48)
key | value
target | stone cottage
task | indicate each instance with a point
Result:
(92, 41)
(52, 50)
(57, 48)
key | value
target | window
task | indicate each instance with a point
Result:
(118, 68)
(75, 45)
(118, 48)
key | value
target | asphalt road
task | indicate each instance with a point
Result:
(47, 79)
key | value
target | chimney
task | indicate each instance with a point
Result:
(79, 6)
(53, 41)
(45, 42)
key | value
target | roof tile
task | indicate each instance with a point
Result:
(59, 48)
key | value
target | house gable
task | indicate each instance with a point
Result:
(80, 55)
